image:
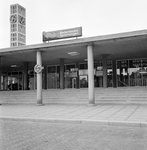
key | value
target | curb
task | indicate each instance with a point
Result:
(76, 121)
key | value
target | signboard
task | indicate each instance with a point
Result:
(73, 74)
(99, 73)
(74, 69)
(83, 72)
(62, 34)
(38, 68)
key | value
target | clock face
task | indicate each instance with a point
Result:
(13, 19)
(21, 20)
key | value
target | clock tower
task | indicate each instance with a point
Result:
(17, 25)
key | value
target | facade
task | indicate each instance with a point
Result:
(111, 61)
(17, 25)
(128, 75)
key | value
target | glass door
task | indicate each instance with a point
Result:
(32, 77)
(98, 74)
(53, 77)
(4, 81)
(109, 74)
(70, 75)
(83, 81)
(122, 73)
(83, 75)
(14, 81)
(135, 76)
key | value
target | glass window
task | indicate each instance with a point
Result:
(109, 64)
(52, 69)
(68, 67)
(84, 66)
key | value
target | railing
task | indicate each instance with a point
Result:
(134, 82)
(122, 83)
(138, 82)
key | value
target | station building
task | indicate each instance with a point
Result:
(109, 61)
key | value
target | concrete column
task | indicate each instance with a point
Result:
(39, 79)
(25, 76)
(114, 67)
(45, 77)
(61, 73)
(0, 74)
(105, 71)
(77, 79)
(90, 74)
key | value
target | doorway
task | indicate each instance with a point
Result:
(12, 80)
(53, 77)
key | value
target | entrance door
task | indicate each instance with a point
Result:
(53, 77)
(14, 81)
(83, 81)
(70, 75)
(73, 81)
(122, 73)
(98, 74)
(32, 80)
(98, 77)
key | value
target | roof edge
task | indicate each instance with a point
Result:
(77, 41)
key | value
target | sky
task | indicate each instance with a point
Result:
(96, 17)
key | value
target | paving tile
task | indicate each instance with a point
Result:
(111, 113)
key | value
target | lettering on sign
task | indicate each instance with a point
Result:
(61, 34)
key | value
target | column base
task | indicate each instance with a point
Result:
(91, 105)
(39, 104)
(105, 87)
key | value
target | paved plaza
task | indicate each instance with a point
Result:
(20, 135)
(102, 114)
(73, 127)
